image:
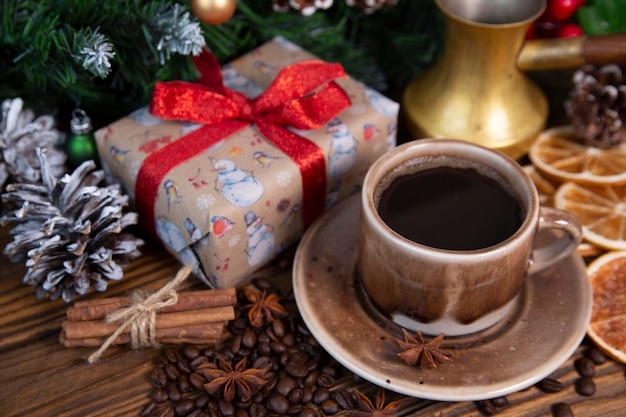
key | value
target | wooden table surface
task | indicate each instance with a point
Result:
(39, 377)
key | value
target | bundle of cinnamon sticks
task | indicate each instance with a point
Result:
(199, 317)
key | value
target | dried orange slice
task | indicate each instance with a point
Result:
(600, 210)
(560, 155)
(607, 328)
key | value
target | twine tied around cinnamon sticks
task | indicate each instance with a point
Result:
(140, 316)
(166, 316)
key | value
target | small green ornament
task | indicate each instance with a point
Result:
(80, 146)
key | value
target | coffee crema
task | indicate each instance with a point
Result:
(450, 208)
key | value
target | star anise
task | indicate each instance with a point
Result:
(367, 409)
(241, 381)
(417, 351)
(263, 307)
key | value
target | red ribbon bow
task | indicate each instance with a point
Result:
(302, 96)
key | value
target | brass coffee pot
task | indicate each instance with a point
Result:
(477, 90)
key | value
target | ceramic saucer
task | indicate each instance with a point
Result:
(546, 328)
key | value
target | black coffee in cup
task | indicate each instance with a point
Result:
(450, 208)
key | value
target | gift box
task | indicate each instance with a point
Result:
(231, 172)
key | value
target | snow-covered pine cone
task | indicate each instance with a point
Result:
(306, 7)
(370, 6)
(68, 231)
(20, 134)
(597, 105)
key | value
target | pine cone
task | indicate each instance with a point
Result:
(370, 6)
(68, 231)
(20, 135)
(306, 7)
(597, 105)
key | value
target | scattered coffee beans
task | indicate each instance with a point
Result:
(298, 375)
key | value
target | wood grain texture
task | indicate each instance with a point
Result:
(39, 377)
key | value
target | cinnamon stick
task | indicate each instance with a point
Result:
(192, 300)
(181, 320)
(196, 334)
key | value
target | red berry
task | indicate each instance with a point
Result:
(570, 30)
(562, 10)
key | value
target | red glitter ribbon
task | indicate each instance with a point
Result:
(302, 96)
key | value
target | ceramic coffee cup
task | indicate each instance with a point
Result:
(446, 235)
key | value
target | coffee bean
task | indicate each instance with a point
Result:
(278, 403)
(289, 340)
(194, 364)
(295, 395)
(270, 333)
(202, 400)
(320, 395)
(325, 380)
(263, 349)
(585, 366)
(173, 393)
(585, 386)
(285, 385)
(307, 394)
(170, 354)
(263, 338)
(171, 371)
(326, 369)
(294, 410)
(184, 385)
(226, 408)
(262, 283)
(242, 412)
(500, 401)
(257, 410)
(149, 408)
(197, 381)
(297, 371)
(329, 407)
(550, 385)
(235, 344)
(190, 351)
(158, 377)
(184, 407)
(307, 412)
(277, 347)
(279, 328)
(159, 395)
(183, 367)
(249, 338)
(487, 407)
(263, 362)
(344, 399)
(562, 410)
(311, 378)
(166, 412)
(596, 355)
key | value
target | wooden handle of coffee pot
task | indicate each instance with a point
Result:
(553, 53)
(605, 49)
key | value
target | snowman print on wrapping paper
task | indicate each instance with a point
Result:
(342, 148)
(174, 239)
(260, 239)
(239, 187)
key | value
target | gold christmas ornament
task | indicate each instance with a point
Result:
(213, 12)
